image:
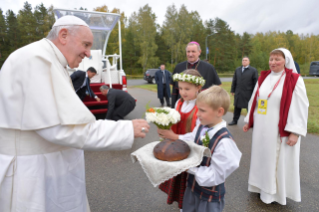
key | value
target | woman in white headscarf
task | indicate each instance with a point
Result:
(278, 113)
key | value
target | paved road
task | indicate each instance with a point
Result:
(133, 82)
(114, 183)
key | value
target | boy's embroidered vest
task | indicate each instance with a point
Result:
(214, 193)
(182, 126)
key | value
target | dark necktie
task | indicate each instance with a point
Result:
(163, 80)
(88, 90)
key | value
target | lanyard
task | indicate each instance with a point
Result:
(274, 86)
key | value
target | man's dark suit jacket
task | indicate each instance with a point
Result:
(78, 78)
(243, 85)
(119, 102)
(207, 71)
(158, 79)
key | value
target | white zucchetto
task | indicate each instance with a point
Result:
(70, 20)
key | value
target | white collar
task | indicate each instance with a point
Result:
(216, 128)
(190, 101)
(193, 62)
(58, 53)
(276, 73)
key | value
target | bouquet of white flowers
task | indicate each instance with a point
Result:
(163, 118)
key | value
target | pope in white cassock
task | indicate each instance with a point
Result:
(44, 126)
(278, 113)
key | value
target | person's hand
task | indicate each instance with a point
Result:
(245, 127)
(140, 127)
(167, 134)
(232, 94)
(292, 139)
(98, 99)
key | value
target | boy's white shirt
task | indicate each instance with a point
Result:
(224, 161)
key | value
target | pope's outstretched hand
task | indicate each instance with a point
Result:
(140, 127)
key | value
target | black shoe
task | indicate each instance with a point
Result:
(168, 105)
(232, 123)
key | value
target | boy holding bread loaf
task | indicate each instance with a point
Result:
(205, 184)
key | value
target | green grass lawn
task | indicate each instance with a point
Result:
(312, 86)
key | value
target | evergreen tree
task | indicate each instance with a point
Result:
(42, 27)
(131, 51)
(245, 45)
(224, 41)
(13, 32)
(27, 25)
(3, 39)
(170, 32)
(163, 50)
(145, 26)
(198, 30)
(184, 32)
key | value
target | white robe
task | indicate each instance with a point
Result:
(44, 128)
(274, 166)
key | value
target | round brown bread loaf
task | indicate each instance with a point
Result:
(169, 150)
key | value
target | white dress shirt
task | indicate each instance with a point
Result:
(224, 161)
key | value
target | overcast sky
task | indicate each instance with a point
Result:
(300, 16)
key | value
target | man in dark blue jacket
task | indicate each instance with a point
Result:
(81, 83)
(120, 103)
(163, 79)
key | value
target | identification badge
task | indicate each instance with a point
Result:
(262, 106)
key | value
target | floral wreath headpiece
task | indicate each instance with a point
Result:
(189, 78)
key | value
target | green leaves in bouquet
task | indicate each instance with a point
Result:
(168, 127)
(206, 140)
(159, 110)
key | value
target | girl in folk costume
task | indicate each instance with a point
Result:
(278, 113)
(190, 83)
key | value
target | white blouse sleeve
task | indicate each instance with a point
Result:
(246, 120)
(298, 111)
(191, 135)
(99, 135)
(225, 160)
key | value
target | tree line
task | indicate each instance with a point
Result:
(146, 44)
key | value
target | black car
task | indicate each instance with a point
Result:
(149, 75)
(314, 68)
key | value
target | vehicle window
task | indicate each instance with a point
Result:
(314, 64)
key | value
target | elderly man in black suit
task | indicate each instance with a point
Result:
(244, 81)
(120, 103)
(81, 83)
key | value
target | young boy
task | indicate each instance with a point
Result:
(205, 183)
